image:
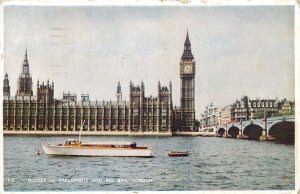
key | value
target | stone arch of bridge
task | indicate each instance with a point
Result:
(233, 131)
(221, 131)
(253, 131)
(283, 132)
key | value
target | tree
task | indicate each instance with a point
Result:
(197, 123)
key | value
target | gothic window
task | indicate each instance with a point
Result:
(93, 111)
(107, 113)
(114, 112)
(267, 104)
(262, 104)
(164, 121)
(270, 104)
(164, 112)
(41, 111)
(254, 104)
(85, 111)
(64, 111)
(258, 104)
(135, 112)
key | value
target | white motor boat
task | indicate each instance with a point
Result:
(74, 147)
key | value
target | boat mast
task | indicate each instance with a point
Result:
(81, 130)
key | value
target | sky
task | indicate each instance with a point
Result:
(238, 50)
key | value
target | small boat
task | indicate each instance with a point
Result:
(73, 147)
(178, 154)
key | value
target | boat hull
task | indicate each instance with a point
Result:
(79, 151)
(178, 154)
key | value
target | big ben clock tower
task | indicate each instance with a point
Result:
(187, 96)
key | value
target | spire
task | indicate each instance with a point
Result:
(187, 53)
(25, 69)
(6, 79)
(119, 92)
(119, 87)
(187, 43)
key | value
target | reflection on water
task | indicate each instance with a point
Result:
(214, 164)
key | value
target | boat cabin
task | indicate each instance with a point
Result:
(71, 142)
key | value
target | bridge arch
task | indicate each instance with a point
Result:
(253, 131)
(233, 131)
(221, 131)
(283, 132)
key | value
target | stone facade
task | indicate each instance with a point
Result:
(43, 112)
(226, 115)
(26, 112)
(267, 107)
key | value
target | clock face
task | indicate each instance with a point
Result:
(188, 69)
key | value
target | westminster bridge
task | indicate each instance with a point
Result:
(279, 128)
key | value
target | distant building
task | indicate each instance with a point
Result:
(286, 106)
(240, 109)
(267, 107)
(226, 115)
(246, 109)
(43, 112)
(211, 116)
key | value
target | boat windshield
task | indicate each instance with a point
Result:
(71, 142)
(133, 145)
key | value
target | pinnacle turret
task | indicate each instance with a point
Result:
(6, 87)
(119, 93)
(119, 87)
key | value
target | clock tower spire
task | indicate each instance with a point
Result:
(187, 94)
(187, 53)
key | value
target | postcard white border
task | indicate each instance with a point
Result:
(182, 3)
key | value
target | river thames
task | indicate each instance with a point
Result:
(214, 164)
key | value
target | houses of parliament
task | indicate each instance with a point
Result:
(42, 112)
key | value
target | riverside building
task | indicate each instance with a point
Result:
(26, 112)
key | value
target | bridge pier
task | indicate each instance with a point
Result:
(240, 135)
(264, 134)
(262, 138)
(225, 134)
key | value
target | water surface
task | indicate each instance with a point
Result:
(215, 164)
